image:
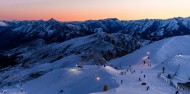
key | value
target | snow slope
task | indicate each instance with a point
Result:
(67, 81)
(39, 57)
(132, 85)
(172, 53)
(165, 53)
(158, 51)
(179, 65)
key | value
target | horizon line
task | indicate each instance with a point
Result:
(95, 19)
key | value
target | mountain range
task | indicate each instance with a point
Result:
(31, 49)
(54, 31)
(125, 36)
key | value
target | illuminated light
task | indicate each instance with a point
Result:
(179, 55)
(72, 70)
(75, 71)
(148, 53)
(98, 78)
(76, 65)
(144, 58)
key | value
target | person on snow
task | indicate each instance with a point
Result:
(139, 79)
(177, 92)
(144, 76)
(144, 61)
(147, 88)
(163, 69)
(121, 81)
(131, 72)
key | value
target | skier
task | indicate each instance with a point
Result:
(147, 88)
(144, 76)
(121, 81)
(177, 92)
(144, 61)
(163, 69)
(139, 79)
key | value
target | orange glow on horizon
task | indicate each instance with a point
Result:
(81, 10)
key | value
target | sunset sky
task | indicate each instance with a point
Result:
(80, 10)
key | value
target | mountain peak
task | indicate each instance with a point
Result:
(2, 23)
(52, 20)
(112, 19)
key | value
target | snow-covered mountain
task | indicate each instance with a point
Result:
(54, 31)
(53, 78)
(94, 49)
(39, 51)
(17, 34)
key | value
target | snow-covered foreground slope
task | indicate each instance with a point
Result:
(74, 81)
(68, 81)
(143, 66)
(165, 53)
(132, 85)
(38, 58)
